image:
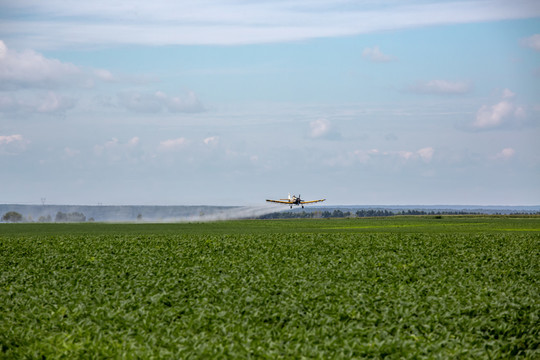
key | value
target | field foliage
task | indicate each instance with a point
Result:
(458, 287)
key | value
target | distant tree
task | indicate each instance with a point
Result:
(60, 217)
(70, 217)
(76, 217)
(43, 219)
(12, 216)
(139, 217)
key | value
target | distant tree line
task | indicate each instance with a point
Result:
(70, 217)
(444, 212)
(373, 212)
(288, 215)
(366, 213)
(13, 216)
(335, 214)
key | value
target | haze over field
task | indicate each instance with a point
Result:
(232, 103)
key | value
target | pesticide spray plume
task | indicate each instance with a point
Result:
(211, 214)
(243, 212)
(138, 213)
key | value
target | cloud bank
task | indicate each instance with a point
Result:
(225, 22)
(29, 69)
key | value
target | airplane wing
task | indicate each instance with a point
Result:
(311, 201)
(279, 202)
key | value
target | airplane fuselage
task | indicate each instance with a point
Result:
(294, 200)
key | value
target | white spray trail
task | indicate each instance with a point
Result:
(243, 212)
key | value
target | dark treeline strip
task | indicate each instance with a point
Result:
(367, 213)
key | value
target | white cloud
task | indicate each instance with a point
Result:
(375, 155)
(375, 55)
(237, 22)
(493, 116)
(322, 129)
(405, 154)
(115, 151)
(173, 144)
(28, 69)
(188, 103)
(441, 87)
(503, 112)
(364, 156)
(426, 154)
(7, 139)
(319, 128)
(3, 50)
(532, 42)
(507, 94)
(211, 140)
(104, 75)
(159, 101)
(12, 144)
(111, 144)
(133, 141)
(505, 154)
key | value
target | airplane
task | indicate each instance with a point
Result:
(294, 200)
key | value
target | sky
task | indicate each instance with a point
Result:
(231, 102)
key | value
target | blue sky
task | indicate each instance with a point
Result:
(232, 102)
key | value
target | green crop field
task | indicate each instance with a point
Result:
(399, 287)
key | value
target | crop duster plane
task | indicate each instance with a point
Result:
(294, 200)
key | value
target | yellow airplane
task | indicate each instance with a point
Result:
(294, 200)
